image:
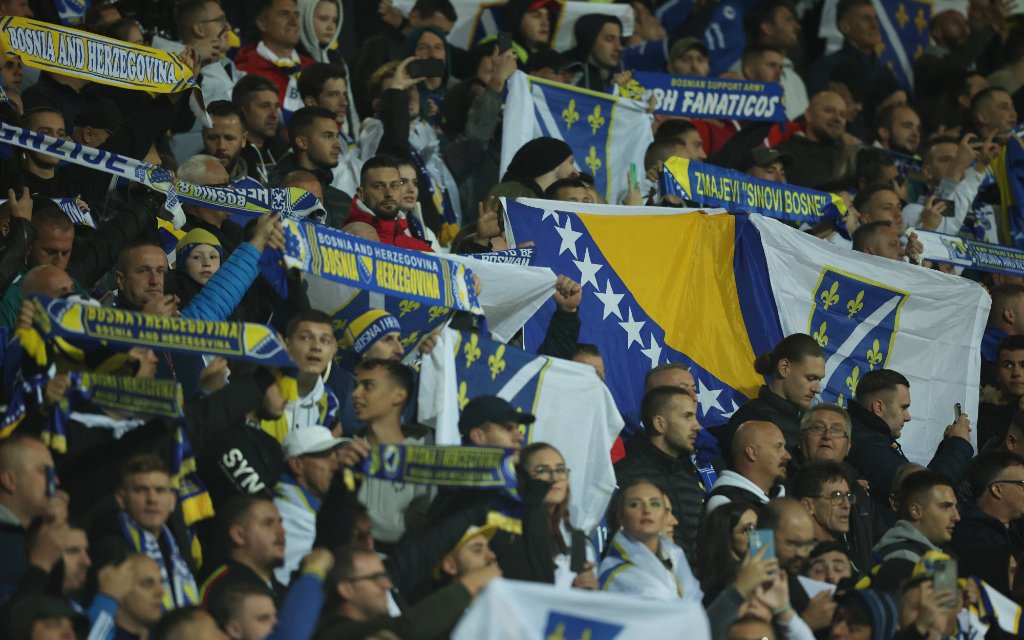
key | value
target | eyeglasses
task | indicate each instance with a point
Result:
(548, 474)
(836, 497)
(378, 577)
(820, 430)
(1019, 483)
(223, 19)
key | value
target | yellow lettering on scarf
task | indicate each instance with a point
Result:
(403, 279)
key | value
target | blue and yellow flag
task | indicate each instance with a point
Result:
(905, 34)
(681, 294)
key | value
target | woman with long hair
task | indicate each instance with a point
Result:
(724, 545)
(543, 462)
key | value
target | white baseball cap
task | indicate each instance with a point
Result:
(313, 439)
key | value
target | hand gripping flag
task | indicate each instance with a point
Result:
(575, 413)
(714, 291)
(606, 133)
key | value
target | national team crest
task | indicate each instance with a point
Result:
(365, 266)
(562, 626)
(855, 321)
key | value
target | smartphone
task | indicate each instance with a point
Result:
(426, 68)
(504, 41)
(945, 578)
(578, 554)
(51, 482)
(957, 410)
(759, 539)
(950, 209)
(633, 183)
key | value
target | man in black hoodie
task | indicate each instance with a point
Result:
(535, 167)
(599, 51)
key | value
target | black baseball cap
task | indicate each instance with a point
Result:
(762, 157)
(490, 409)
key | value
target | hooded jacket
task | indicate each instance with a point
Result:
(586, 30)
(395, 232)
(249, 61)
(310, 45)
(732, 486)
(903, 533)
(767, 406)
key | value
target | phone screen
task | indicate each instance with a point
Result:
(945, 579)
(759, 539)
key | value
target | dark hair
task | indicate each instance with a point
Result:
(379, 161)
(654, 404)
(795, 348)
(864, 196)
(933, 142)
(865, 233)
(879, 381)
(560, 515)
(427, 8)
(25, 120)
(313, 77)
(1011, 343)
(987, 466)
(885, 117)
(983, 97)
(311, 315)
(171, 624)
(812, 476)
(563, 183)
(186, 13)
(1003, 296)
(661, 150)
(716, 567)
(398, 372)
(829, 546)
(869, 164)
(344, 568)
(122, 258)
(248, 85)
(674, 130)
(303, 119)
(46, 214)
(846, 6)
(225, 108)
(615, 506)
(143, 463)
(915, 486)
(757, 50)
(118, 29)
(761, 13)
(233, 512)
(224, 603)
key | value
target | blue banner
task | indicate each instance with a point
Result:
(975, 254)
(56, 317)
(418, 320)
(464, 467)
(905, 33)
(720, 98)
(708, 185)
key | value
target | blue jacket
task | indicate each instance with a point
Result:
(222, 293)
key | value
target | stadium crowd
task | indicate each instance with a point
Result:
(795, 519)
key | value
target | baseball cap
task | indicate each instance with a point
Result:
(307, 440)
(683, 45)
(490, 409)
(762, 157)
(473, 531)
(537, 5)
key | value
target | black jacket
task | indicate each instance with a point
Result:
(14, 249)
(767, 406)
(983, 543)
(876, 455)
(336, 202)
(681, 480)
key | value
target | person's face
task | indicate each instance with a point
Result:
(794, 539)
(325, 21)
(567, 169)
(498, 434)
(144, 602)
(674, 378)
(76, 562)
(832, 444)
(211, 22)
(774, 172)
(740, 536)
(261, 115)
(573, 194)
(860, 27)
(938, 515)
(766, 68)
(134, 35)
(1011, 372)
(279, 24)
(273, 404)
(11, 72)
(549, 465)
(784, 29)
(148, 498)
(143, 279)
(30, 479)
(826, 116)
(263, 535)
(312, 346)
(369, 586)
(680, 423)
(322, 145)
(643, 512)
(830, 567)
(51, 246)
(376, 395)
(693, 146)
(1010, 490)
(690, 63)
(381, 191)
(950, 28)
(257, 617)
(844, 629)
(387, 348)
(316, 470)
(17, 8)
(772, 456)
(224, 140)
(607, 50)
(895, 409)
(202, 262)
(832, 517)
(48, 124)
(53, 629)
(886, 244)
(801, 380)
(475, 554)
(597, 362)
(671, 522)
(883, 205)
(905, 134)
(334, 96)
(937, 162)
(430, 46)
(410, 187)
(536, 27)
(999, 113)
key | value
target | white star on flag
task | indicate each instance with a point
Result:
(588, 269)
(569, 237)
(610, 300)
(550, 213)
(653, 352)
(707, 398)
(728, 414)
(632, 328)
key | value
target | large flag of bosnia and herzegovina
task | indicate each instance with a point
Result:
(713, 291)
